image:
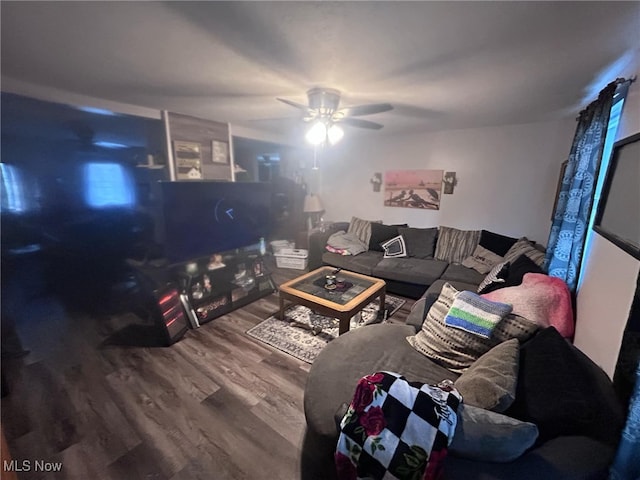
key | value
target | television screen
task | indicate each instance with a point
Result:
(203, 218)
(617, 216)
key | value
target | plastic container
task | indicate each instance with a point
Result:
(292, 258)
(278, 245)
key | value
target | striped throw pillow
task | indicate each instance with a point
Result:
(497, 275)
(457, 349)
(361, 229)
(455, 245)
(524, 247)
(474, 314)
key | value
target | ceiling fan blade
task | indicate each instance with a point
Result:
(370, 109)
(293, 104)
(357, 122)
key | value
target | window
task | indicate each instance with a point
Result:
(108, 185)
(13, 194)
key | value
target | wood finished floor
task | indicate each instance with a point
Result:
(216, 405)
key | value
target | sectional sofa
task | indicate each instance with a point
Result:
(432, 255)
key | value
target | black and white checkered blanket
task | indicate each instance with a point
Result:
(395, 429)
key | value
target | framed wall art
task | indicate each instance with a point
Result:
(413, 188)
(188, 160)
(219, 152)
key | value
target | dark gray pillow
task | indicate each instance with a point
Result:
(490, 382)
(490, 437)
(421, 242)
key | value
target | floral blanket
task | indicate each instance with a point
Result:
(395, 429)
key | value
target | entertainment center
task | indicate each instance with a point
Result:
(214, 242)
(214, 286)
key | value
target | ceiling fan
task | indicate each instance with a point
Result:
(324, 113)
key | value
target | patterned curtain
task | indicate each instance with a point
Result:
(626, 465)
(571, 217)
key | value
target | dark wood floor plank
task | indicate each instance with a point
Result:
(154, 424)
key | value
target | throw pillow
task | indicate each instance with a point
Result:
(490, 437)
(491, 381)
(584, 400)
(495, 278)
(421, 242)
(482, 260)
(518, 269)
(380, 233)
(452, 348)
(474, 314)
(498, 244)
(455, 245)
(361, 229)
(525, 247)
(457, 349)
(395, 247)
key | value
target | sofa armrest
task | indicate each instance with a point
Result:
(419, 311)
(318, 240)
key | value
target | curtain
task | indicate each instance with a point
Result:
(626, 465)
(573, 209)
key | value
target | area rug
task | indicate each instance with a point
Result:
(304, 333)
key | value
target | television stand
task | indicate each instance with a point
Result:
(221, 283)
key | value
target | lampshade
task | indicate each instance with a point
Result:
(312, 204)
(335, 134)
(317, 133)
(323, 131)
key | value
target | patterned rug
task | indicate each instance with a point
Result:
(304, 333)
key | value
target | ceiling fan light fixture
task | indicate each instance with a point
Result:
(317, 134)
(335, 134)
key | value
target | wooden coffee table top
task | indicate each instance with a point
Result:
(310, 287)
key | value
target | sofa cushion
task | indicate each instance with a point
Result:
(490, 437)
(491, 381)
(380, 233)
(412, 270)
(518, 269)
(460, 273)
(421, 242)
(563, 392)
(495, 278)
(361, 229)
(525, 247)
(498, 244)
(482, 260)
(455, 245)
(362, 263)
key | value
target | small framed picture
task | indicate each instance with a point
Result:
(187, 156)
(219, 152)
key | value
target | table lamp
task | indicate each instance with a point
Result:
(312, 207)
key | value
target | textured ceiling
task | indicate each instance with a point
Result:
(443, 65)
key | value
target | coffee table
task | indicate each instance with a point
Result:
(353, 293)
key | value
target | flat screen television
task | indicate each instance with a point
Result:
(618, 214)
(207, 217)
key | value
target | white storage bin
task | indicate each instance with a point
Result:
(292, 258)
(278, 245)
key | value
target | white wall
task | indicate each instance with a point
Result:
(507, 176)
(609, 278)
